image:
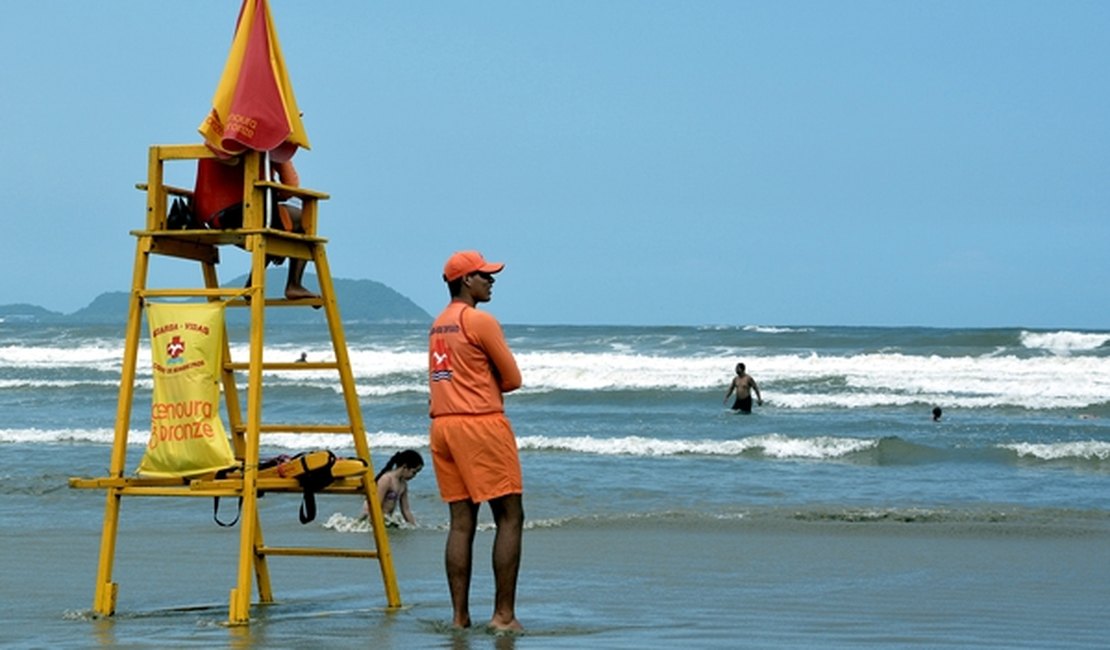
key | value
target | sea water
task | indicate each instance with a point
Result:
(626, 429)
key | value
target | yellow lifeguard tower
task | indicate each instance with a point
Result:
(246, 433)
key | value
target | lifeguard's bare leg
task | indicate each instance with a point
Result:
(294, 287)
(294, 284)
(459, 558)
(508, 514)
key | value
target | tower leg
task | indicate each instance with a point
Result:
(104, 598)
(354, 413)
(262, 568)
(239, 613)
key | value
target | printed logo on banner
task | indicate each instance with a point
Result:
(174, 350)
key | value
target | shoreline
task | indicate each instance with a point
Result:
(647, 584)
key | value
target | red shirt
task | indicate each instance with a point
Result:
(219, 184)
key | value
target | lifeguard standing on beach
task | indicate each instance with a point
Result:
(473, 446)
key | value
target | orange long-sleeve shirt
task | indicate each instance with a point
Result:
(470, 365)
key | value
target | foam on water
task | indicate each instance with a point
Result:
(771, 445)
(1064, 342)
(871, 379)
(95, 355)
(1075, 375)
(763, 329)
(1082, 450)
(61, 436)
(56, 383)
(138, 438)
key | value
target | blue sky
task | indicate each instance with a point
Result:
(633, 162)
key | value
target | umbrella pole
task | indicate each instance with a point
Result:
(266, 175)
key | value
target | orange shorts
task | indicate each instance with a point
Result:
(475, 457)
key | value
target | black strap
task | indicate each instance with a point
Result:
(311, 482)
(216, 512)
(216, 502)
(308, 507)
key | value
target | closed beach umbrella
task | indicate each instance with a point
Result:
(254, 107)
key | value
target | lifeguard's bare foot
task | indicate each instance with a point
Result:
(461, 623)
(498, 625)
(299, 293)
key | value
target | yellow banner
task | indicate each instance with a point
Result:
(187, 436)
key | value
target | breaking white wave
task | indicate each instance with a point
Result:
(339, 442)
(1077, 376)
(767, 329)
(1083, 450)
(1064, 342)
(59, 436)
(771, 445)
(93, 355)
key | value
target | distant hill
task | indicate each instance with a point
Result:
(365, 301)
(22, 312)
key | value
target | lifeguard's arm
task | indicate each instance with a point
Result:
(487, 331)
(286, 175)
(755, 387)
(731, 387)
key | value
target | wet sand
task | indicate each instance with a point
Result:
(636, 584)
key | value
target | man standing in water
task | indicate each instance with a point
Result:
(743, 385)
(473, 446)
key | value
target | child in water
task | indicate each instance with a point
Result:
(393, 484)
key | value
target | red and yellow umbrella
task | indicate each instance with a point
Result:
(254, 107)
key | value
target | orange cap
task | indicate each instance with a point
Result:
(467, 262)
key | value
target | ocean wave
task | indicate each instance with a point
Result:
(418, 388)
(1085, 450)
(1041, 520)
(611, 371)
(1043, 382)
(97, 355)
(60, 436)
(331, 385)
(380, 442)
(863, 380)
(57, 383)
(1038, 521)
(887, 451)
(769, 446)
(1064, 342)
(994, 377)
(900, 515)
(767, 329)
(346, 523)
(890, 450)
(821, 447)
(898, 379)
(775, 446)
(343, 523)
